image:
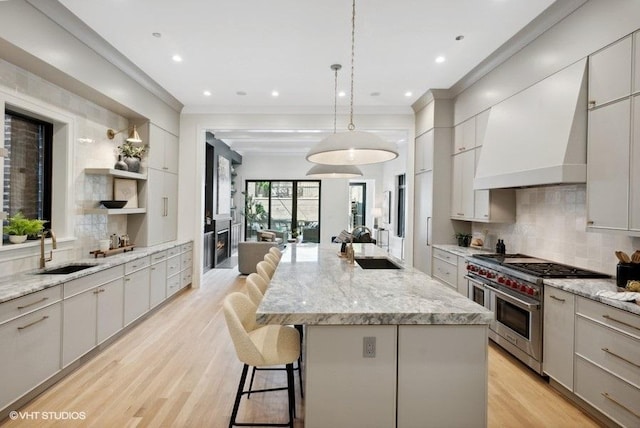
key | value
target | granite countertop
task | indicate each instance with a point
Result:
(313, 285)
(589, 287)
(21, 284)
(462, 251)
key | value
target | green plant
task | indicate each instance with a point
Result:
(128, 149)
(254, 211)
(20, 225)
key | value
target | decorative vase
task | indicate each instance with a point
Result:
(17, 239)
(133, 164)
(121, 165)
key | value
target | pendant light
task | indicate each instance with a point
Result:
(334, 171)
(352, 147)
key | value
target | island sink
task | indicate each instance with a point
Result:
(66, 269)
(376, 263)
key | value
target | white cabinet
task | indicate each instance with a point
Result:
(608, 166)
(423, 222)
(464, 136)
(30, 351)
(636, 62)
(610, 73)
(496, 205)
(445, 267)
(163, 150)
(136, 289)
(559, 313)
(93, 309)
(462, 273)
(158, 279)
(462, 193)
(634, 173)
(424, 152)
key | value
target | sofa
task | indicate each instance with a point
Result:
(250, 253)
(272, 235)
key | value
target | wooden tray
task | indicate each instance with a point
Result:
(98, 253)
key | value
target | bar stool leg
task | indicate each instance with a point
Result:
(236, 404)
(253, 373)
(292, 397)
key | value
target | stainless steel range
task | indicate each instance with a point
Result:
(512, 286)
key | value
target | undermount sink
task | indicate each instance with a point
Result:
(66, 269)
(376, 263)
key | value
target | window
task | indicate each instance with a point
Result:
(27, 183)
(288, 206)
(401, 189)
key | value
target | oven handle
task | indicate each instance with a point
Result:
(474, 280)
(520, 303)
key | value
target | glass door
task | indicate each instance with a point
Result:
(358, 200)
(308, 210)
(281, 206)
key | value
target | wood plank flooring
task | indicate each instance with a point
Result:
(178, 368)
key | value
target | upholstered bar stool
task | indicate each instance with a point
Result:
(263, 346)
(265, 270)
(271, 259)
(276, 252)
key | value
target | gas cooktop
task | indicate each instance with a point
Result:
(539, 267)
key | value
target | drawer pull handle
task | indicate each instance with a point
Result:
(557, 298)
(33, 323)
(33, 303)
(620, 322)
(608, 397)
(621, 357)
(99, 290)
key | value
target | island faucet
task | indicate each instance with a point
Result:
(54, 245)
(349, 250)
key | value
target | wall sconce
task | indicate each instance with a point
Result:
(134, 137)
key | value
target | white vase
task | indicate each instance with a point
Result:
(17, 239)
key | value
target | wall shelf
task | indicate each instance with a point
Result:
(115, 173)
(115, 211)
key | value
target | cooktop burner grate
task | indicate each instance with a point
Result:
(555, 270)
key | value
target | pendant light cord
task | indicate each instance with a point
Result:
(335, 68)
(353, 48)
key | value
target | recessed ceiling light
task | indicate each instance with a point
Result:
(408, 94)
(460, 37)
(241, 93)
(342, 93)
(375, 94)
(440, 59)
(158, 35)
(177, 58)
(207, 93)
(275, 93)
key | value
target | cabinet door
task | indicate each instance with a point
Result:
(79, 325)
(559, 321)
(482, 120)
(170, 223)
(481, 197)
(636, 57)
(30, 351)
(162, 207)
(171, 153)
(158, 283)
(424, 152)
(634, 190)
(462, 193)
(136, 295)
(462, 272)
(464, 136)
(610, 73)
(422, 222)
(608, 172)
(110, 309)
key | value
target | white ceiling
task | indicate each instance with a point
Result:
(257, 46)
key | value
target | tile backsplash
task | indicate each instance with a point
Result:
(551, 224)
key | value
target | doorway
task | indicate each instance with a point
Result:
(358, 203)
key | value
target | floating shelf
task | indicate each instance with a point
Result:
(115, 211)
(115, 173)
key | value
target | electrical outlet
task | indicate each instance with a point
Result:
(369, 347)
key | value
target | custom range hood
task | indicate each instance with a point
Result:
(539, 136)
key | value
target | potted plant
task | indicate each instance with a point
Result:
(254, 212)
(464, 239)
(132, 155)
(19, 227)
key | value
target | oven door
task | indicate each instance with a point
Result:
(518, 320)
(477, 292)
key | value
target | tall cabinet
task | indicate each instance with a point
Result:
(160, 191)
(432, 180)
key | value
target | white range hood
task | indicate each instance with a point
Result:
(539, 136)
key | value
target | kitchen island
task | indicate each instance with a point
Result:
(384, 347)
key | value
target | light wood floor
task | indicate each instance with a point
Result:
(178, 369)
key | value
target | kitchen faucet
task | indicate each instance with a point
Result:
(54, 245)
(349, 250)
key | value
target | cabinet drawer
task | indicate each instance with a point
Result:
(612, 396)
(173, 284)
(29, 303)
(445, 255)
(610, 349)
(79, 285)
(187, 260)
(173, 266)
(158, 257)
(186, 247)
(135, 265)
(174, 251)
(445, 272)
(613, 317)
(185, 278)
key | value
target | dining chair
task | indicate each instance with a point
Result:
(262, 346)
(265, 270)
(272, 259)
(276, 252)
